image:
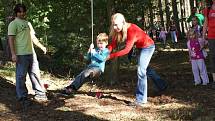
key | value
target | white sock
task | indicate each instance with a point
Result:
(213, 74)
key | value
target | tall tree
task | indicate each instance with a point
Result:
(112, 70)
(167, 10)
(175, 15)
(161, 12)
(191, 3)
(182, 17)
(151, 14)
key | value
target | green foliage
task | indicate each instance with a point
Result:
(64, 26)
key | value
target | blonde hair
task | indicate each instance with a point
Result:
(192, 32)
(116, 35)
(102, 37)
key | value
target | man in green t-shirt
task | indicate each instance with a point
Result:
(20, 41)
(200, 17)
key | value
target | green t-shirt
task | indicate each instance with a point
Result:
(20, 29)
(200, 17)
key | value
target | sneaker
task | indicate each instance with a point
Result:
(213, 85)
(67, 91)
(164, 88)
(25, 102)
(204, 84)
(135, 104)
(41, 97)
(196, 83)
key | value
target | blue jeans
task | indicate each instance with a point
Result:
(173, 36)
(159, 83)
(23, 66)
(81, 78)
(34, 75)
(26, 64)
(143, 62)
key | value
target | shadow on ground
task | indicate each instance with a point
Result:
(54, 109)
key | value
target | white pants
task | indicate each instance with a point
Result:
(199, 70)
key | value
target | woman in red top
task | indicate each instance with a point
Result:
(209, 25)
(131, 34)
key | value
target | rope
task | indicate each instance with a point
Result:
(92, 19)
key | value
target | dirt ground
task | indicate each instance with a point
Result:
(181, 101)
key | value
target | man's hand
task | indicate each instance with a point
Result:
(14, 58)
(44, 50)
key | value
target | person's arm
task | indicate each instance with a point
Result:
(160, 34)
(112, 45)
(126, 50)
(189, 50)
(203, 43)
(35, 40)
(102, 55)
(90, 51)
(38, 44)
(11, 40)
(205, 26)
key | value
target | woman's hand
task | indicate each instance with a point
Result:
(108, 57)
(204, 36)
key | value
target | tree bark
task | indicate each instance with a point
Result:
(112, 67)
(182, 16)
(161, 12)
(175, 16)
(167, 10)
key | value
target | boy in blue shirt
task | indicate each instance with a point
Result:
(97, 56)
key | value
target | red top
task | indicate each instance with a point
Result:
(135, 36)
(211, 22)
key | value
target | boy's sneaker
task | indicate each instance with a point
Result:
(135, 104)
(68, 91)
(40, 97)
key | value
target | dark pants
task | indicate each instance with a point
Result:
(159, 83)
(212, 55)
(23, 66)
(82, 77)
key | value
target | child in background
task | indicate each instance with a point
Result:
(196, 26)
(97, 57)
(173, 33)
(162, 36)
(196, 47)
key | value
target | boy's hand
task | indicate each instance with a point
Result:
(93, 51)
(91, 46)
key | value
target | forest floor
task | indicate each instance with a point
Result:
(180, 101)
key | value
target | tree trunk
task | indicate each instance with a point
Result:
(175, 16)
(112, 69)
(151, 16)
(167, 10)
(182, 16)
(161, 12)
(191, 3)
